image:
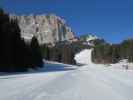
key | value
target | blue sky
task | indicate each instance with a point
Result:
(108, 19)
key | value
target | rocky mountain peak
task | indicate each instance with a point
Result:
(47, 28)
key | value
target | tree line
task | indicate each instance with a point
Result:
(112, 53)
(63, 52)
(15, 53)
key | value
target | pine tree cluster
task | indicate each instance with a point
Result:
(112, 53)
(15, 54)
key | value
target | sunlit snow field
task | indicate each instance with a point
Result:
(66, 82)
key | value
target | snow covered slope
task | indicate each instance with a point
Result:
(84, 57)
(81, 83)
(122, 64)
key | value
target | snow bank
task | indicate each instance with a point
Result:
(51, 66)
(123, 64)
(84, 57)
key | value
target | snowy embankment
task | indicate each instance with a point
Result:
(84, 57)
(123, 64)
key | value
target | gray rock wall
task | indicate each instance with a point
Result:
(47, 28)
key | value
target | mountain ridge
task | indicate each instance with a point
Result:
(47, 28)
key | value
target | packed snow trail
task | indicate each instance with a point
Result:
(84, 57)
(83, 83)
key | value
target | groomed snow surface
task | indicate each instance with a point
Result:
(84, 57)
(65, 82)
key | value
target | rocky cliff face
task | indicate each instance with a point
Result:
(47, 28)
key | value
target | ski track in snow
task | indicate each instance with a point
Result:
(84, 83)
